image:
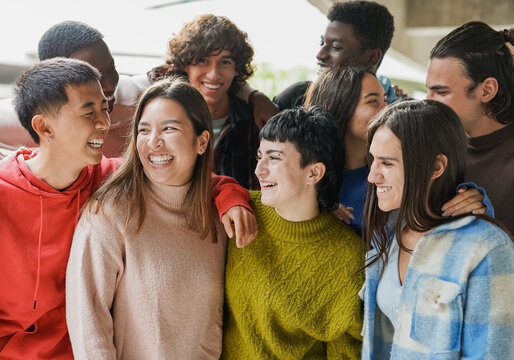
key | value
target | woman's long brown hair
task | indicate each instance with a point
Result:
(129, 180)
(425, 129)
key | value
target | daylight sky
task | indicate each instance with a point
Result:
(283, 32)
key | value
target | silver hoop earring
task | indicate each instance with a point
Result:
(50, 140)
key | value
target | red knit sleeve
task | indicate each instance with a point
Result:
(105, 169)
(227, 193)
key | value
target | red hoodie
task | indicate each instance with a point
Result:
(36, 229)
(37, 224)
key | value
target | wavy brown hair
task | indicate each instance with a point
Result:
(129, 181)
(206, 35)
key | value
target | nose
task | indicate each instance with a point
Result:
(109, 81)
(212, 72)
(261, 169)
(322, 53)
(154, 139)
(373, 173)
(103, 121)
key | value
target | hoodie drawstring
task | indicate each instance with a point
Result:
(38, 275)
(78, 208)
(39, 251)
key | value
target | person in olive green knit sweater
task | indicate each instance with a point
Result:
(293, 293)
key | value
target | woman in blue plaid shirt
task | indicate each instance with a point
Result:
(436, 287)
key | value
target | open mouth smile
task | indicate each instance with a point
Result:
(160, 159)
(96, 143)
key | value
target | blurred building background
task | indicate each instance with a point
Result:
(285, 33)
(419, 24)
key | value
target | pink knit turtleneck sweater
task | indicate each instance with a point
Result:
(154, 295)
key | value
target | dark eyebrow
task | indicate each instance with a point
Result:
(274, 151)
(164, 122)
(171, 121)
(91, 103)
(332, 39)
(372, 94)
(389, 158)
(437, 87)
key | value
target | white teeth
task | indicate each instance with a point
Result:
(267, 184)
(96, 143)
(212, 86)
(383, 189)
(160, 160)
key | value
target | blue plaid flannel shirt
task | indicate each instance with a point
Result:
(457, 300)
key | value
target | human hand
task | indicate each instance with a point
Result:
(158, 73)
(244, 223)
(263, 108)
(344, 213)
(399, 92)
(467, 201)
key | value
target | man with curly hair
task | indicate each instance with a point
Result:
(216, 57)
(358, 33)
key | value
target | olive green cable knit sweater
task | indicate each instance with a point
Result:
(292, 293)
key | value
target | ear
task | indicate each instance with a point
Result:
(316, 173)
(372, 57)
(203, 142)
(441, 161)
(42, 127)
(489, 89)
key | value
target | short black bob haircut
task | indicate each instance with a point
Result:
(318, 138)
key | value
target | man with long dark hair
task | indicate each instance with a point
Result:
(471, 70)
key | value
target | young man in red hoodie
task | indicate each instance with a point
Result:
(61, 104)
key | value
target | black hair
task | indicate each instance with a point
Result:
(65, 38)
(483, 53)
(317, 137)
(372, 23)
(42, 88)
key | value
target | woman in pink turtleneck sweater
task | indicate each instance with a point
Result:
(145, 275)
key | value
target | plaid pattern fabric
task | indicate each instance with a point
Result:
(457, 299)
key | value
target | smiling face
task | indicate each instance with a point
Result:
(371, 101)
(339, 46)
(166, 143)
(386, 170)
(98, 55)
(80, 126)
(284, 184)
(213, 76)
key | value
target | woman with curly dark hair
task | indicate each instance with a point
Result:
(217, 57)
